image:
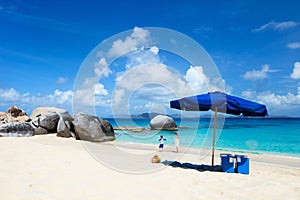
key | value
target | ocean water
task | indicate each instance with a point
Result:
(253, 135)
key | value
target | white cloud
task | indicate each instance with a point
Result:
(293, 45)
(276, 26)
(196, 78)
(60, 97)
(118, 96)
(136, 41)
(154, 49)
(149, 83)
(249, 94)
(147, 79)
(149, 73)
(84, 97)
(158, 83)
(11, 97)
(296, 71)
(142, 57)
(96, 95)
(200, 83)
(100, 90)
(278, 103)
(101, 68)
(139, 38)
(275, 102)
(61, 80)
(259, 74)
(155, 93)
(91, 84)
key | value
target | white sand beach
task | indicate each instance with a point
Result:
(50, 167)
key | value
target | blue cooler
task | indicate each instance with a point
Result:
(227, 163)
(242, 164)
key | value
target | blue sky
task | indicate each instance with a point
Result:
(254, 44)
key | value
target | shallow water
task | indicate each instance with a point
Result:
(254, 135)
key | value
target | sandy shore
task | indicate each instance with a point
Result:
(49, 167)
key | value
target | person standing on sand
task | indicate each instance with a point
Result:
(176, 141)
(161, 143)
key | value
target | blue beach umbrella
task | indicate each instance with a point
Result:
(219, 102)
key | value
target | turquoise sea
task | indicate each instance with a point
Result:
(280, 136)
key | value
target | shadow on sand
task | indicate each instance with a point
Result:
(201, 168)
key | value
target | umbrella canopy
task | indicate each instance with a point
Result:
(222, 102)
(219, 102)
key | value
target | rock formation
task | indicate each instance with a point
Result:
(4, 118)
(63, 128)
(45, 110)
(14, 111)
(13, 114)
(49, 121)
(162, 122)
(45, 120)
(53, 120)
(16, 129)
(92, 128)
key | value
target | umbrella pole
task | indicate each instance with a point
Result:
(214, 138)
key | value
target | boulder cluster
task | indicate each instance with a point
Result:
(52, 120)
(13, 114)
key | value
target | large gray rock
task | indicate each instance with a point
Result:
(45, 110)
(37, 129)
(40, 131)
(54, 120)
(49, 121)
(92, 128)
(162, 122)
(63, 128)
(16, 129)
